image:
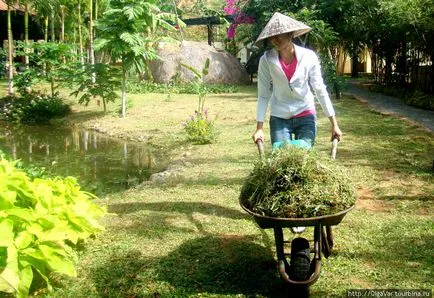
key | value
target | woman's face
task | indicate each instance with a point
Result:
(281, 41)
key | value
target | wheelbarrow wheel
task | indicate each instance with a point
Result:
(300, 259)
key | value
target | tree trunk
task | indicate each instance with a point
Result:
(46, 29)
(26, 35)
(91, 51)
(123, 94)
(53, 36)
(388, 69)
(80, 37)
(10, 55)
(62, 23)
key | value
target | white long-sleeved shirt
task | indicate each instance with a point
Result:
(290, 98)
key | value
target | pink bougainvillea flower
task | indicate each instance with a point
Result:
(231, 31)
(230, 10)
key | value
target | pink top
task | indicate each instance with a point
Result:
(289, 70)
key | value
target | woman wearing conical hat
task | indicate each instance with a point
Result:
(289, 77)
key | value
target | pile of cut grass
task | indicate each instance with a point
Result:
(295, 183)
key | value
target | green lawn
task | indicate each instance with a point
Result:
(190, 238)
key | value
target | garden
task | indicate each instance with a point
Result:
(180, 230)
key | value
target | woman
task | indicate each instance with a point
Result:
(287, 75)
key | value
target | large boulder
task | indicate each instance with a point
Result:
(224, 68)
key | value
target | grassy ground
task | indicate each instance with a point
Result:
(190, 238)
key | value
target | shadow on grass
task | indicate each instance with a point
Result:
(211, 264)
(162, 222)
(179, 207)
(83, 116)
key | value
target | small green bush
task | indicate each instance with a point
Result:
(181, 88)
(421, 100)
(200, 129)
(41, 221)
(32, 108)
(292, 183)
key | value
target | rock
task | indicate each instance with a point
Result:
(171, 174)
(224, 68)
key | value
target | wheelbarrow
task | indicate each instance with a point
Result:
(301, 271)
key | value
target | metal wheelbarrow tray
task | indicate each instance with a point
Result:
(323, 242)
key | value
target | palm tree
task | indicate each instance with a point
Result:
(9, 4)
(91, 51)
(63, 7)
(43, 10)
(125, 32)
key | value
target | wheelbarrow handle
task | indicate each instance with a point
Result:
(334, 148)
(260, 145)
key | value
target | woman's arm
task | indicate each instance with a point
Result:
(264, 94)
(320, 90)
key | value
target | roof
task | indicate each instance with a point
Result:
(4, 7)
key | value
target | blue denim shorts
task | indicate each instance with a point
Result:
(302, 128)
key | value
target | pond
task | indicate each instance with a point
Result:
(101, 164)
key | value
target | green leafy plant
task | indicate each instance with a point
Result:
(200, 129)
(199, 82)
(40, 222)
(292, 182)
(49, 57)
(96, 81)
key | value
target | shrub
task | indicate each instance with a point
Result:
(33, 108)
(41, 221)
(421, 100)
(200, 129)
(292, 183)
(3, 63)
(179, 88)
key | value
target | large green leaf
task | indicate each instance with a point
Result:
(57, 259)
(9, 277)
(6, 232)
(26, 277)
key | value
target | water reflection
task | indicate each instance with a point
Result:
(101, 164)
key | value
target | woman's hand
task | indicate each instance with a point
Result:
(336, 132)
(259, 134)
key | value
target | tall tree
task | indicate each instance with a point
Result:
(91, 50)
(9, 4)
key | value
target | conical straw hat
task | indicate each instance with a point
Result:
(280, 23)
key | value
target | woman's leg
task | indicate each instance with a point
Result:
(280, 129)
(305, 128)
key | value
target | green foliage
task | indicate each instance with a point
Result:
(126, 33)
(32, 108)
(421, 100)
(3, 59)
(292, 182)
(178, 88)
(199, 82)
(96, 81)
(49, 58)
(24, 80)
(40, 222)
(200, 129)
(333, 81)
